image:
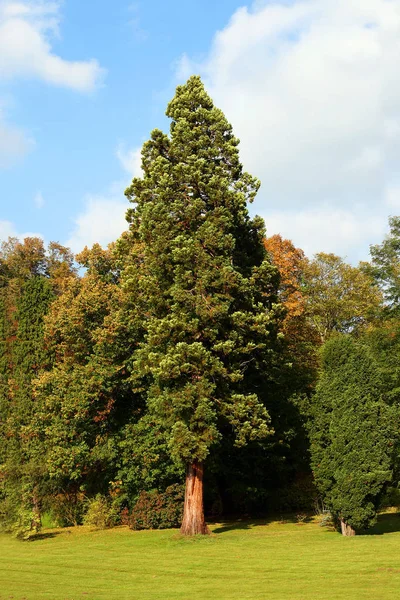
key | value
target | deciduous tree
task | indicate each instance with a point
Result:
(339, 297)
(385, 266)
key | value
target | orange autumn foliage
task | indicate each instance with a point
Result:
(290, 261)
(301, 337)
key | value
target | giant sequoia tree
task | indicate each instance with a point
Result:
(199, 277)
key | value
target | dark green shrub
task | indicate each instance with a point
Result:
(157, 510)
(391, 497)
(300, 495)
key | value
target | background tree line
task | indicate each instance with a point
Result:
(196, 349)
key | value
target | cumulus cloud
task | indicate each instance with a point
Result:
(14, 143)
(38, 200)
(328, 229)
(26, 31)
(101, 221)
(8, 229)
(312, 90)
(393, 198)
(130, 159)
(139, 34)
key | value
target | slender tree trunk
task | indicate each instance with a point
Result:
(346, 529)
(193, 513)
(36, 522)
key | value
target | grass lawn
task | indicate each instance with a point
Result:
(239, 561)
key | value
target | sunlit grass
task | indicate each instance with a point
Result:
(272, 561)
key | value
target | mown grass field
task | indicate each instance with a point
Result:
(277, 561)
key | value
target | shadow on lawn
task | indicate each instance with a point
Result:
(239, 524)
(232, 526)
(43, 536)
(387, 523)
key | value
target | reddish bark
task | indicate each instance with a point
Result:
(193, 522)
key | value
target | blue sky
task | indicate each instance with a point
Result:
(311, 88)
(76, 134)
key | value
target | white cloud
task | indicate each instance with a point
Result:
(140, 34)
(312, 90)
(38, 200)
(26, 29)
(328, 229)
(130, 159)
(7, 229)
(14, 143)
(102, 221)
(26, 32)
(393, 197)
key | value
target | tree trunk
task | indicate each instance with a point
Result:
(346, 529)
(193, 513)
(36, 522)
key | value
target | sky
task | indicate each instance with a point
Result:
(311, 88)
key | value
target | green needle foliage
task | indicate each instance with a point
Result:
(199, 277)
(353, 432)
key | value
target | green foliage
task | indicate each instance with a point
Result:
(22, 459)
(100, 512)
(30, 278)
(385, 266)
(353, 431)
(144, 459)
(48, 520)
(182, 342)
(339, 298)
(67, 507)
(199, 280)
(157, 510)
(84, 401)
(391, 498)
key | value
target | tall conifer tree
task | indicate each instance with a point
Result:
(200, 279)
(353, 432)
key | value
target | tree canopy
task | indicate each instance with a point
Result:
(353, 432)
(195, 352)
(202, 283)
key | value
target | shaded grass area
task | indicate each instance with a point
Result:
(243, 560)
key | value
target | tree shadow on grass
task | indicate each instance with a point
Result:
(386, 523)
(233, 525)
(43, 536)
(243, 524)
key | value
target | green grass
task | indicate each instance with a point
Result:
(270, 561)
